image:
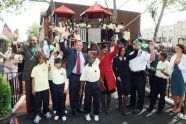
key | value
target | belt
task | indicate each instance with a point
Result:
(92, 82)
(76, 74)
(161, 78)
(138, 73)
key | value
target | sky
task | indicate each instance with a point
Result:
(32, 14)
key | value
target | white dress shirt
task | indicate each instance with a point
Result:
(163, 66)
(82, 63)
(91, 73)
(139, 63)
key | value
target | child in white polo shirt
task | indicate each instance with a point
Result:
(160, 84)
(91, 75)
(60, 86)
(40, 88)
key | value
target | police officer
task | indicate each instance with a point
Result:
(138, 67)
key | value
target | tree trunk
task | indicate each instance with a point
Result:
(159, 20)
(114, 12)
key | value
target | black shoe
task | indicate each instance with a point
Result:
(130, 106)
(31, 116)
(150, 109)
(159, 112)
(73, 113)
(137, 111)
(80, 111)
(118, 107)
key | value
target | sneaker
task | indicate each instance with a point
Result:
(56, 118)
(87, 117)
(64, 118)
(37, 119)
(96, 118)
(182, 116)
(54, 112)
(48, 115)
(66, 112)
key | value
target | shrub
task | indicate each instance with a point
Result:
(5, 98)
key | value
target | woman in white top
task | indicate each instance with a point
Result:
(178, 77)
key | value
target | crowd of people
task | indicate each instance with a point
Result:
(55, 69)
(67, 29)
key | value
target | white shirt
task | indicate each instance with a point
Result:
(51, 62)
(40, 74)
(59, 76)
(91, 73)
(163, 66)
(139, 63)
(120, 27)
(117, 29)
(126, 35)
(82, 63)
(47, 50)
(104, 26)
(77, 37)
(181, 65)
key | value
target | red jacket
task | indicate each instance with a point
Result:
(106, 69)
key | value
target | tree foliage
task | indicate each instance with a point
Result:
(5, 98)
(11, 5)
(33, 30)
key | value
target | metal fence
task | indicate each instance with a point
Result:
(3, 45)
(15, 84)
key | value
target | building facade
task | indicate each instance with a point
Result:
(169, 34)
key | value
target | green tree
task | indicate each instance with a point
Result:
(157, 8)
(10, 5)
(33, 30)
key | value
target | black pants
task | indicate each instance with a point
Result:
(59, 101)
(138, 85)
(52, 94)
(92, 92)
(41, 98)
(151, 80)
(158, 87)
(29, 97)
(74, 91)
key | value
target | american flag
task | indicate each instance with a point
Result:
(6, 30)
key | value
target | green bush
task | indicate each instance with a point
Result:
(5, 97)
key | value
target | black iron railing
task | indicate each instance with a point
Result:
(15, 84)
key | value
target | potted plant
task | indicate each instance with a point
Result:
(5, 99)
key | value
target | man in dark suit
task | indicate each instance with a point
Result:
(75, 62)
(29, 62)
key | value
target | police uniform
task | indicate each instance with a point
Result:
(91, 74)
(160, 84)
(138, 66)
